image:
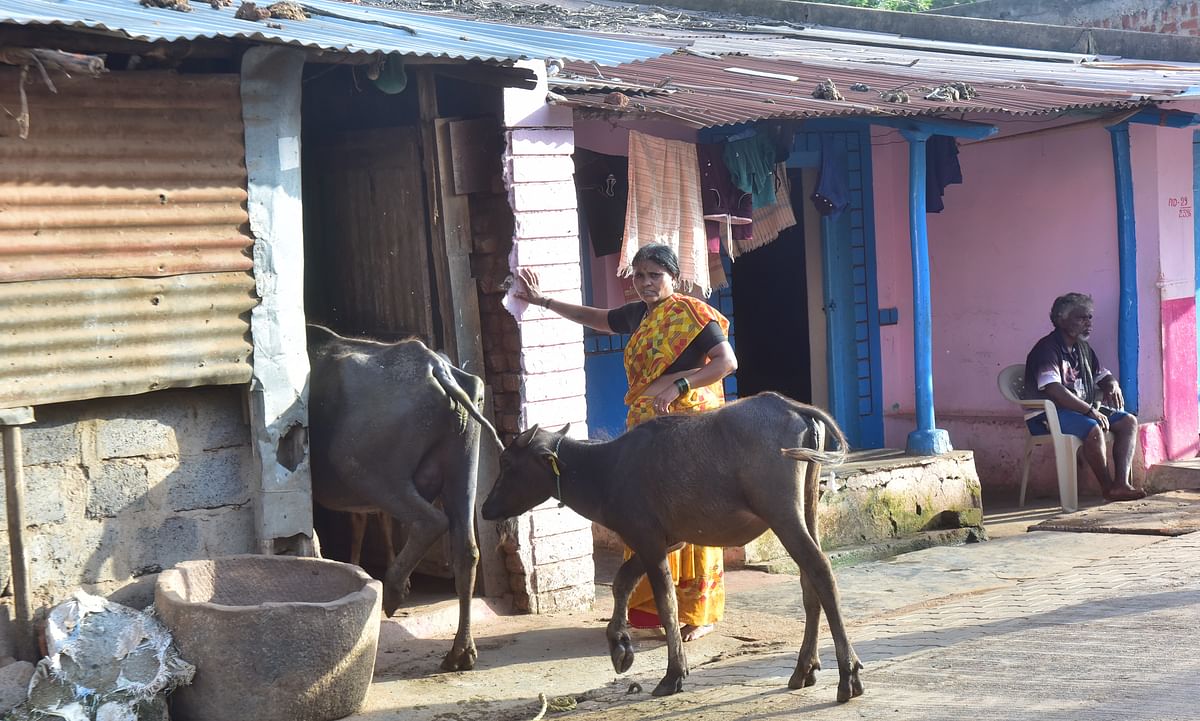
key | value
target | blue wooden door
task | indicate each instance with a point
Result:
(850, 293)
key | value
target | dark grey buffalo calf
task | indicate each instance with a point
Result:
(719, 478)
(391, 429)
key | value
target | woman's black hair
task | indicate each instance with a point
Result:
(660, 254)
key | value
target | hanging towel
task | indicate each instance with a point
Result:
(772, 220)
(665, 206)
(831, 196)
(941, 169)
(751, 163)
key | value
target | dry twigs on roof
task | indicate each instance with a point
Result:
(45, 61)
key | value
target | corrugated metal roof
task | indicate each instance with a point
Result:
(123, 178)
(712, 92)
(332, 26)
(63, 340)
(155, 184)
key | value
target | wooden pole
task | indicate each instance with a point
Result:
(24, 645)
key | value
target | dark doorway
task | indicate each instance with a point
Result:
(770, 304)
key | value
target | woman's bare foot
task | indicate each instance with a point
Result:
(691, 633)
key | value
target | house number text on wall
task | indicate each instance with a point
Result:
(1183, 203)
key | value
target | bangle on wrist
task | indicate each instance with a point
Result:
(682, 385)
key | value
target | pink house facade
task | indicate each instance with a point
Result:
(1036, 217)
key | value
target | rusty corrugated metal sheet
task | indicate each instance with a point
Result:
(124, 247)
(129, 174)
(64, 340)
(709, 94)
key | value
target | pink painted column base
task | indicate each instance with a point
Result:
(1181, 406)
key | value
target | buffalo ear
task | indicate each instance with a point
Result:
(523, 440)
(563, 431)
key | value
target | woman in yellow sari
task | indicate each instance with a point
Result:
(675, 361)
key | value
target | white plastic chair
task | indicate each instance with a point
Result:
(1066, 447)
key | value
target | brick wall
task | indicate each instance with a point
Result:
(121, 488)
(550, 559)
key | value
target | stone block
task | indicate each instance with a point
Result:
(14, 684)
(546, 249)
(549, 386)
(552, 358)
(53, 442)
(542, 141)
(132, 437)
(550, 224)
(557, 331)
(161, 546)
(216, 420)
(210, 480)
(574, 598)
(563, 546)
(47, 489)
(541, 168)
(116, 487)
(561, 277)
(228, 532)
(564, 574)
(559, 195)
(550, 520)
(552, 414)
(65, 556)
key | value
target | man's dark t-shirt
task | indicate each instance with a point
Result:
(1051, 361)
(628, 317)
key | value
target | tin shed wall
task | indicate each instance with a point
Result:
(124, 244)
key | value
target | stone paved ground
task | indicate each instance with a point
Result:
(1039, 626)
(1115, 639)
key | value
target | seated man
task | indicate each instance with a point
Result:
(1064, 368)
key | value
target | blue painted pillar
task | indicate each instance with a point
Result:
(1127, 304)
(926, 440)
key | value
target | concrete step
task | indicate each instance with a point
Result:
(1173, 476)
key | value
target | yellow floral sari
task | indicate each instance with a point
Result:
(698, 571)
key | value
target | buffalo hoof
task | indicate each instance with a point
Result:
(849, 684)
(460, 659)
(804, 677)
(393, 599)
(621, 651)
(668, 686)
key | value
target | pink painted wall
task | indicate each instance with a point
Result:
(1036, 218)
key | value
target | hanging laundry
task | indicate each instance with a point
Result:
(727, 209)
(772, 220)
(832, 195)
(751, 164)
(665, 207)
(602, 191)
(941, 169)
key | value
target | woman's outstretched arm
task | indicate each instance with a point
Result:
(583, 314)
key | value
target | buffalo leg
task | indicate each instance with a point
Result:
(620, 645)
(358, 529)
(458, 499)
(810, 661)
(668, 613)
(424, 524)
(815, 567)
